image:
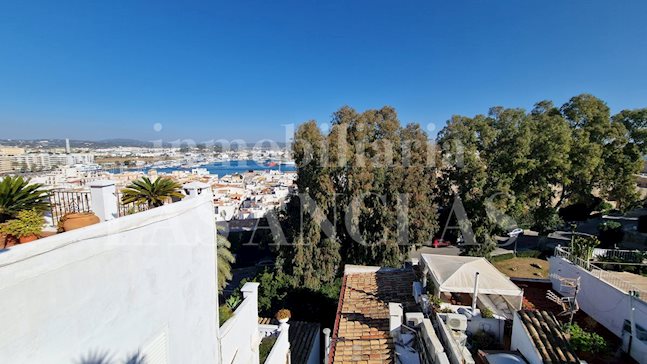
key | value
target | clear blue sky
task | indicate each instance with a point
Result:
(240, 69)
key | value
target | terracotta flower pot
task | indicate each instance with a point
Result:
(28, 238)
(77, 221)
(9, 241)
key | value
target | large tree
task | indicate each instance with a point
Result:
(367, 194)
(528, 165)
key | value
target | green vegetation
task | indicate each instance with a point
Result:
(610, 233)
(224, 314)
(355, 178)
(487, 313)
(277, 291)
(266, 347)
(233, 301)
(225, 260)
(26, 223)
(534, 164)
(482, 340)
(586, 342)
(154, 194)
(16, 194)
(582, 246)
(509, 168)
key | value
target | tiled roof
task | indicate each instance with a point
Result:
(361, 332)
(548, 337)
(301, 335)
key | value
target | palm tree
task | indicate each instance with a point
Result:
(153, 194)
(16, 194)
(224, 261)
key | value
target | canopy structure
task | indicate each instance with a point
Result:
(457, 274)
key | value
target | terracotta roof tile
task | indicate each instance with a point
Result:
(362, 329)
(548, 337)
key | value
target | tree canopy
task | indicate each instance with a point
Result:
(370, 188)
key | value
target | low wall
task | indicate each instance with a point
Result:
(280, 352)
(607, 304)
(240, 335)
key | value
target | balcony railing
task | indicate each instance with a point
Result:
(607, 276)
(65, 202)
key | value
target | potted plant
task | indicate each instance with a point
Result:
(77, 220)
(283, 315)
(26, 227)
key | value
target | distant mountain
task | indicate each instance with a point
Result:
(89, 144)
(60, 143)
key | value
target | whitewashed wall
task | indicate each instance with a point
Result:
(239, 336)
(521, 341)
(606, 304)
(280, 353)
(144, 282)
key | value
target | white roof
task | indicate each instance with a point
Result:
(457, 274)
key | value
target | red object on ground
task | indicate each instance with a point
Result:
(439, 243)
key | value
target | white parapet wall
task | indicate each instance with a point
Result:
(604, 302)
(280, 353)
(240, 336)
(141, 283)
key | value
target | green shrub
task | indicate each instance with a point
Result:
(265, 347)
(610, 233)
(435, 301)
(487, 313)
(233, 301)
(605, 207)
(27, 222)
(501, 257)
(482, 340)
(224, 314)
(586, 342)
(529, 254)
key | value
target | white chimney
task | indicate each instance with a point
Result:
(195, 189)
(104, 199)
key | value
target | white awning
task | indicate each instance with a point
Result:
(456, 274)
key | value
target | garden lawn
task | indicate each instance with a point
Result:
(523, 267)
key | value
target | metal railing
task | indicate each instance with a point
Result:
(607, 276)
(65, 202)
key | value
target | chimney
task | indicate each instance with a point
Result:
(104, 199)
(195, 189)
(395, 318)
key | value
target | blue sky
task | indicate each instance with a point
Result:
(241, 69)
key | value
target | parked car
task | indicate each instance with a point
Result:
(515, 232)
(440, 243)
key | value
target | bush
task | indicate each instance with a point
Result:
(27, 222)
(583, 246)
(265, 348)
(529, 254)
(586, 342)
(604, 207)
(487, 313)
(610, 233)
(482, 340)
(501, 257)
(224, 314)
